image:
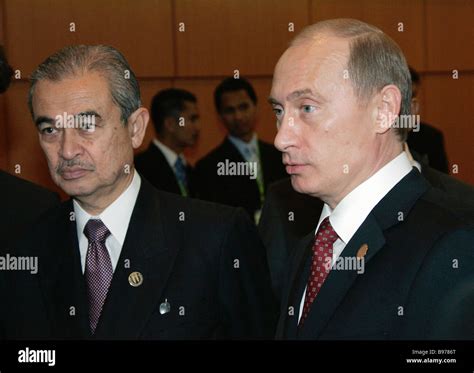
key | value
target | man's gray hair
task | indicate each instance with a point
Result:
(78, 59)
(375, 60)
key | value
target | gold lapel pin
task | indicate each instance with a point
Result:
(362, 251)
(135, 279)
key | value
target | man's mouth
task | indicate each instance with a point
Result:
(294, 168)
(73, 173)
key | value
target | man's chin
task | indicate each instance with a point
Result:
(296, 183)
(75, 188)
(299, 184)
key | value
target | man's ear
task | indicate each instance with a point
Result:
(388, 102)
(137, 123)
(170, 124)
(415, 105)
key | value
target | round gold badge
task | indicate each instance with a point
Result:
(135, 279)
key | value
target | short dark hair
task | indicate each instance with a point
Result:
(6, 72)
(415, 76)
(232, 84)
(169, 103)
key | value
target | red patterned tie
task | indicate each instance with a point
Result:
(99, 271)
(320, 264)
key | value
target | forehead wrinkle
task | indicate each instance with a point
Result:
(73, 95)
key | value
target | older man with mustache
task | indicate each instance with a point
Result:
(122, 260)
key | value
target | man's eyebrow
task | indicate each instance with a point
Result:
(272, 101)
(44, 119)
(292, 96)
(296, 94)
(89, 113)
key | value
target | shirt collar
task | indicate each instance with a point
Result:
(242, 145)
(354, 208)
(416, 164)
(169, 154)
(116, 216)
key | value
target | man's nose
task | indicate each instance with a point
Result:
(239, 115)
(285, 136)
(70, 144)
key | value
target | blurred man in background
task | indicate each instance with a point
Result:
(218, 173)
(428, 141)
(175, 117)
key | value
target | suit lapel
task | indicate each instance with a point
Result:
(148, 251)
(231, 151)
(339, 282)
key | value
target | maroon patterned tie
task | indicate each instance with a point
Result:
(99, 269)
(320, 264)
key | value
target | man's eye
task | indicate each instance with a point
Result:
(278, 112)
(308, 108)
(48, 130)
(88, 126)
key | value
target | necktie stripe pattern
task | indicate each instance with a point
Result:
(99, 271)
(320, 264)
(181, 173)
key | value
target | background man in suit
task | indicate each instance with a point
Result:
(122, 260)
(22, 201)
(428, 142)
(387, 246)
(175, 115)
(236, 103)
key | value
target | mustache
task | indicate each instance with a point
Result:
(64, 165)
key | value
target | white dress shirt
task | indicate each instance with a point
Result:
(169, 154)
(350, 213)
(248, 150)
(116, 218)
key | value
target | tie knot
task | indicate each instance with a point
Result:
(179, 164)
(326, 232)
(95, 230)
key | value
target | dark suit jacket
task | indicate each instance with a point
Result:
(459, 194)
(22, 203)
(429, 143)
(234, 190)
(205, 260)
(154, 167)
(281, 234)
(287, 216)
(413, 286)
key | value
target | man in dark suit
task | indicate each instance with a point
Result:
(385, 262)
(288, 216)
(427, 140)
(22, 201)
(122, 260)
(175, 116)
(238, 171)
